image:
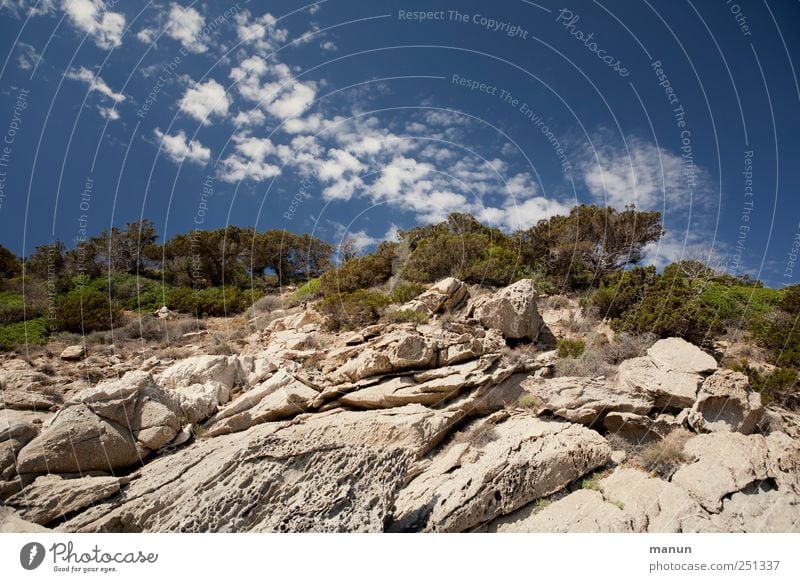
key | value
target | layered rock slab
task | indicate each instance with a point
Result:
(511, 461)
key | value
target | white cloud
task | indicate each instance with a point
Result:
(338, 164)
(293, 102)
(186, 26)
(251, 159)
(260, 32)
(26, 8)
(635, 177)
(95, 83)
(27, 57)
(249, 117)
(179, 150)
(147, 35)
(328, 46)
(109, 113)
(92, 17)
(205, 100)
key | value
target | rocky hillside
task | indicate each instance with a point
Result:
(459, 422)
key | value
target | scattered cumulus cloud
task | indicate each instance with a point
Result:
(93, 18)
(186, 26)
(179, 149)
(205, 100)
(27, 57)
(95, 83)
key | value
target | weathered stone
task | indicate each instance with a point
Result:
(669, 388)
(226, 370)
(113, 425)
(585, 400)
(505, 466)
(511, 310)
(10, 522)
(726, 403)
(582, 511)
(73, 353)
(678, 355)
(637, 428)
(53, 497)
(446, 295)
(334, 471)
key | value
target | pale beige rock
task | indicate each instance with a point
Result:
(639, 429)
(726, 403)
(505, 466)
(511, 310)
(116, 424)
(327, 472)
(280, 397)
(199, 401)
(678, 355)
(10, 522)
(669, 388)
(446, 295)
(52, 497)
(582, 511)
(725, 463)
(585, 400)
(73, 353)
(226, 370)
(651, 504)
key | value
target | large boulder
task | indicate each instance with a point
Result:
(511, 310)
(729, 462)
(73, 353)
(13, 436)
(677, 354)
(639, 429)
(584, 400)
(329, 472)
(114, 425)
(227, 370)
(726, 403)
(507, 462)
(671, 372)
(444, 296)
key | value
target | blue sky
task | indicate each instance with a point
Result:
(359, 118)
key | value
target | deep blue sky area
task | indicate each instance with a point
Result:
(350, 118)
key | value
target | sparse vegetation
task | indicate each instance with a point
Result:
(529, 401)
(405, 316)
(665, 456)
(570, 348)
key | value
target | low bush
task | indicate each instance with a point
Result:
(86, 310)
(353, 310)
(665, 456)
(780, 386)
(570, 348)
(213, 301)
(22, 333)
(405, 292)
(307, 291)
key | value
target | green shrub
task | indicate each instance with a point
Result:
(213, 301)
(307, 291)
(781, 385)
(570, 348)
(86, 310)
(620, 291)
(21, 333)
(354, 310)
(405, 292)
(405, 316)
(360, 272)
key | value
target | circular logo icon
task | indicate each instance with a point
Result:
(31, 555)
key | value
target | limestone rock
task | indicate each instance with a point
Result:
(10, 522)
(199, 401)
(669, 388)
(652, 504)
(509, 464)
(585, 400)
(444, 296)
(582, 511)
(327, 472)
(73, 353)
(280, 397)
(681, 356)
(52, 497)
(226, 370)
(726, 403)
(639, 429)
(116, 424)
(511, 310)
